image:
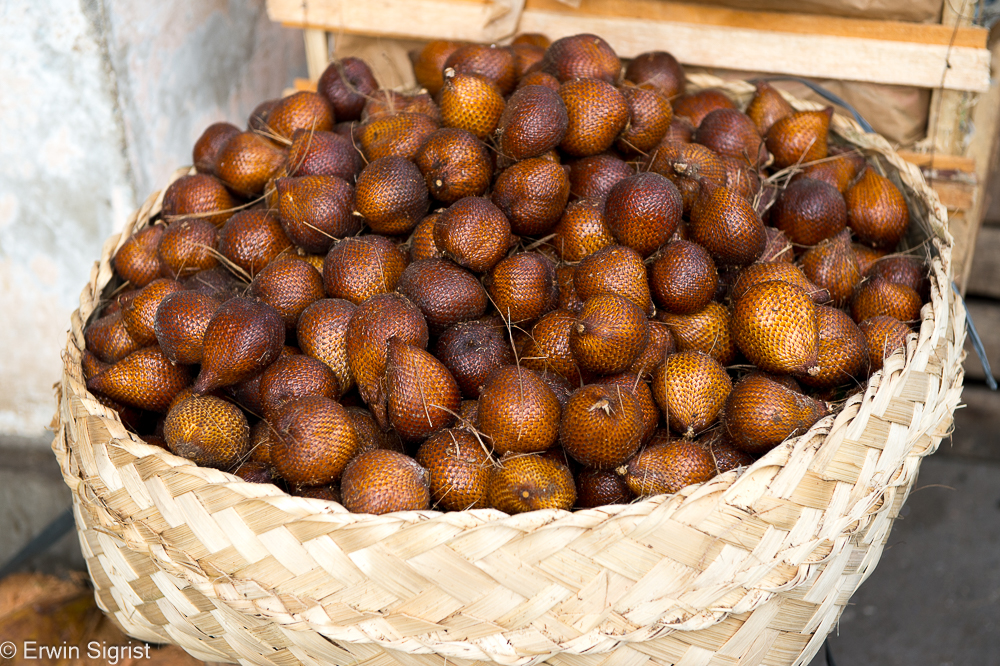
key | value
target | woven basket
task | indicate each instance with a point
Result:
(752, 567)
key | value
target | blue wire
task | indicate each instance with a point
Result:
(977, 343)
(828, 96)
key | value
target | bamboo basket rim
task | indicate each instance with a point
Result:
(781, 467)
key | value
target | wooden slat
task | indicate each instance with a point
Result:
(954, 194)
(939, 161)
(317, 51)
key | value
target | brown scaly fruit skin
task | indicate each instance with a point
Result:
(360, 267)
(422, 243)
(582, 56)
(91, 365)
(216, 282)
(518, 412)
(289, 285)
(251, 239)
(582, 230)
(726, 225)
(643, 211)
(649, 118)
(727, 457)
(180, 324)
(523, 287)
(389, 102)
(691, 387)
(547, 349)
(323, 154)
(608, 335)
(775, 325)
(253, 472)
(539, 78)
(108, 339)
(680, 131)
(458, 469)
(145, 379)
(201, 196)
(767, 107)
(329, 492)
(138, 310)
(316, 210)
(615, 269)
(487, 61)
(455, 164)
(471, 350)
(866, 256)
(833, 265)
(668, 467)
(697, 105)
(471, 103)
(601, 426)
(401, 134)
(766, 272)
(205, 154)
(883, 336)
(529, 483)
(532, 194)
(313, 441)
(597, 113)
(370, 435)
(533, 122)
(599, 487)
(683, 278)
(838, 170)
(473, 233)
(243, 337)
(322, 334)
(593, 177)
(877, 211)
(381, 482)
(247, 162)
(346, 84)
(187, 247)
(777, 247)
(257, 122)
(533, 38)
(301, 110)
(246, 393)
(809, 211)
(260, 443)
(208, 431)
(661, 345)
(445, 293)
(761, 413)
(707, 330)
(742, 178)
(428, 63)
(136, 261)
(842, 354)
(731, 132)
(686, 164)
(799, 138)
(657, 70)
(903, 269)
(391, 195)
(877, 296)
(422, 395)
(639, 389)
(568, 298)
(296, 376)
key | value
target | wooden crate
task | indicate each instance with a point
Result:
(951, 58)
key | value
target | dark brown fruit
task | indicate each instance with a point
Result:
(523, 286)
(208, 431)
(445, 293)
(260, 443)
(370, 435)
(428, 64)
(180, 324)
(668, 467)
(631, 383)
(138, 310)
(602, 426)
(761, 413)
(382, 482)
(322, 334)
(877, 211)
(346, 84)
(422, 243)
(137, 261)
(597, 487)
(243, 337)
(198, 196)
(838, 169)
(487, 61)
(329, 492)
(687, 165)
(742, 178)
(206, 149)
(323, 154)
(582, 230)
(247, 162)
(526, 56)
(455, 164)
(649, 118)
(657, 70)
(423, 397)
(391, 195)
(399, 135)
(681, 130)
(389, 102)
(731, 132)
(643, 211)
(809, 211)
(91, 365)
(866, 256)
(313, 441)
(842, 354)
(614, 270)
(532, 194)
(539, 78)
(108, 338)
(216, 282)
(683, 278)
(302, 110)
(777, 247)
(727, 457)
(609, 334)
(593, 177)
(568, 298)
(458, 469)
(471, 103)
(251, 239)
(597, 113)
(775, 325)
(316, 210)
(877, 296)
(471, 350)
(145, 379)
(187, 246)
(531, 482)
(253, 472)
(257, 122)
(559, 385)
(904, 269)
(726, 225)
(691, 387)
(661, 345)
(357, 268)
(533, 122)
(474, 233)
(696, 106)
(547, 349)
(533, 38)
(833, 266)
(761, 272)
(799, 138)
(289, 285)
(767, 107)
(883, 336)
(518, 412)
(707, 330)
(582, 56)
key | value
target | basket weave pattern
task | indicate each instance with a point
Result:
(748, 568)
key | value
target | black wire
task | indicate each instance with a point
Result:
(977, 342)
(827, 95)
(828, 653)
(48, 536)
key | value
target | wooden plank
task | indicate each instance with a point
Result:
(939, 161)
(956, 195)
(317, 51)
(984, 276)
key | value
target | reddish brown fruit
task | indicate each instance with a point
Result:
(532, 194)
(697, 105)
(108, 338)
(323, 154)
(400, 135)
(208, 431)
(518, 412)
(474, 233)
(313, 441)
(661, 345)
(526, 57)
(370, 435)
(260, 443)
(357, 268)
(593, 177)
(243, 337)
(137, 261)
(799, 138)
(842, 354)
(187, 247)
(680, 131)
(91, 365)
(533, 38)
(809, 211)
(602, 426)
(707, 330)
(883, 336)
(683, 278)
(206, 149)
(596, 487)
(428, 64)
(471, 350)
(180, 324)
(559, 385)
(609, 334)
(726, 225)
(257, 122)
(533, 122)
(389, 103)
(539, 78)
(302, 110)
(471, 103)
(568, 298)
(775, 325)
(904, 269)
(668, 467)
(657, 70)
(866, 256)
(199, 196)
(614, 270)
(582, 56)
(487, 61)
(523, 286)
(687, 165)
(838, 170)
(777, 247)
(346, 84)
(643, 211)
(691, 387)
(731, 132)
(253, 472)
(639, 389)
(138, 311)
(727, 457)
(877, 296)
(316, 210)
(649, 117)
(422, 396)
(760, 272)
(458, 470)
(742, 178)
(381, 482)
(247, 162)
(532, 482)
(145, 379)
(597, 113)
(289, 285)
(581, 230)
(833, 266)
(322, 334)
(455, 164)
(329, 492)
(877, 211)
(445, 293)
(767, 107)
(547, 349)
(391, 195)
(761, 413)
(251, 239)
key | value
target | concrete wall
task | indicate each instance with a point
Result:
(101, 100)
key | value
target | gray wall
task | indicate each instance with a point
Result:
(100, 100)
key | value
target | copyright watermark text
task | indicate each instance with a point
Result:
(98, 650)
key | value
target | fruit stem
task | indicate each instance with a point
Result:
(602, 404)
